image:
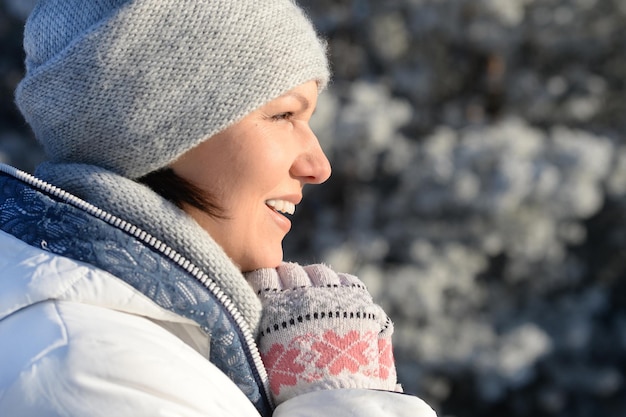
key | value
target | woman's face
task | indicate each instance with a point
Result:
(255, 171)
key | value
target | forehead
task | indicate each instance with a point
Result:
(306, 94)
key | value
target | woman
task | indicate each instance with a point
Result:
(142, 264)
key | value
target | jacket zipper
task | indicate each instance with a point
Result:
(166, 250)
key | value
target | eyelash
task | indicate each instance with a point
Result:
(283, 116)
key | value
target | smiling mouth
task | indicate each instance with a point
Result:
(282, 206)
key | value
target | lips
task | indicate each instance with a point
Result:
(282, 206)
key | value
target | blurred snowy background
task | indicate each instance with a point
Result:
(478, 188)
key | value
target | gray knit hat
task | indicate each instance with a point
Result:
(130, 85)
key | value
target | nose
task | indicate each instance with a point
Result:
(311, 166)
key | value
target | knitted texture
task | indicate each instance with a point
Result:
(142, 207)
(321, 330)
(130, 85)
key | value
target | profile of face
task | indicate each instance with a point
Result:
(255, 171)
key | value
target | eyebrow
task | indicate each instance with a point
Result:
(303, 100)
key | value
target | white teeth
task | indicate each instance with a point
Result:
(282, 206)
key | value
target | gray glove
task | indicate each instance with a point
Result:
(321, 330)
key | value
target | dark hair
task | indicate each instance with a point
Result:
(179, 191)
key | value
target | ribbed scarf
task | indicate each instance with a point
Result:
(142, 207)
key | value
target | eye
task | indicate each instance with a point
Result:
(283, 116)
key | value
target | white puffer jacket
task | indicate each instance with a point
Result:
(77, 341)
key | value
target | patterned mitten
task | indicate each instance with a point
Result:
(321, 330)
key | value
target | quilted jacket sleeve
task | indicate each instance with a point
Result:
(354, 403)
(74, 360)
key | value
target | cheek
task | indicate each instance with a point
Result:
(264, 166)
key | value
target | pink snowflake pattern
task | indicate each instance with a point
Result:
(385, 358)
(349, 352)
(282, 367)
